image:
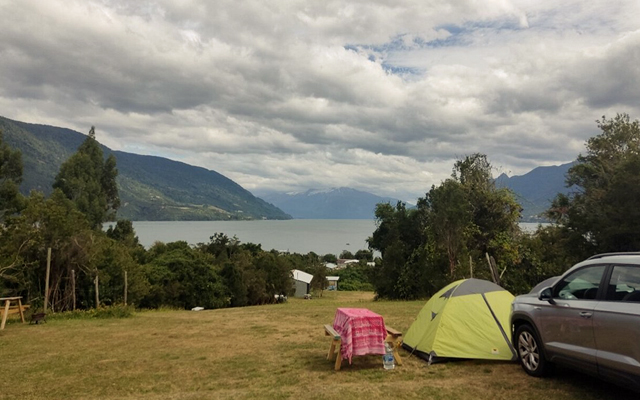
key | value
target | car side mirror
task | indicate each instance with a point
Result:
(546, 294)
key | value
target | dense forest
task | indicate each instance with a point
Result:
(463, 227)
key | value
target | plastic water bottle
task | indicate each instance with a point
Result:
(387, 360)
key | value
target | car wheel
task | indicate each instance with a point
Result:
(530, 351)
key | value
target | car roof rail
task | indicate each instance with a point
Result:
(622, 253)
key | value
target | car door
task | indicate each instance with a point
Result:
(617, 326)
(566, 327)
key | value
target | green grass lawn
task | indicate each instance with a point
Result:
(271, 352)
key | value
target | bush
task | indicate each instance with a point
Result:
(115, 311)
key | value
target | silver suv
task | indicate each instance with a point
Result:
(587, 319)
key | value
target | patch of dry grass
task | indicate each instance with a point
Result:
(275, 351)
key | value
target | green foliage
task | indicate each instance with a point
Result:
(150, 188)
(400, 237)
(542, 255)
(319, 272)
(456, 224)
(346, 255)
(355, 277)
(232, 273)
(181, 276)
(110, 312)
(450, 217)
(603, 214)
(89, 182)
(366, 255)
(10, 177)
(330, 258)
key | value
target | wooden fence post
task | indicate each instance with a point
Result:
(96, 281)
(125, 288)
(73, 287)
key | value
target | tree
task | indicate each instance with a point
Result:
(319, 272)
(330, 258)
(50, 223)
(469, 217)
(450, 218)
(90, 182)
(183, 277)
(366, 255)
(11, 201)
(400, 237)
(603, 214)
(346, 255)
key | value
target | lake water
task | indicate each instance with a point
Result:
(322, 236)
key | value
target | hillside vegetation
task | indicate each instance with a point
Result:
(151, 188)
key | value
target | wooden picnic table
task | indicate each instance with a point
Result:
(359, 331)
(8, 309)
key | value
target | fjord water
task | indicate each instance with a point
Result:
(322, 236)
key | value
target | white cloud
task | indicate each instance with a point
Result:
(381, 96)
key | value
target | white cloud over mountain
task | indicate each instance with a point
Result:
(381, 96)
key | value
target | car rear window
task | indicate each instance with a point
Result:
(624, 284)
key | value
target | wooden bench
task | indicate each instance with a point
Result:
(8, 309)
(334, 350)
(394, 338)
(16, 309)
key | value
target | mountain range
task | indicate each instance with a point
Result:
(158, 189)
(534, 191)
(151, 188)
(334, 203)
(537, 188)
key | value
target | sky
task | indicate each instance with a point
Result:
(381, 96)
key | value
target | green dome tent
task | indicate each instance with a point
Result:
(466, 319)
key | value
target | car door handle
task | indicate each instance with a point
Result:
(585, 314)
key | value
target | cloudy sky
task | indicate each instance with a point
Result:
(381, 96)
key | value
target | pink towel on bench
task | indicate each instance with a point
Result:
(362, 332)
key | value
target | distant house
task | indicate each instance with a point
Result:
(332, 282)
(344, 262)
(331, 265)
(302, 281)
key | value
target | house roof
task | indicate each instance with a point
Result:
(301, 276)
(333, 278)
(342, 261)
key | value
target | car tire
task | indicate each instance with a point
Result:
(530, 352)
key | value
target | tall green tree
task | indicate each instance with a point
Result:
(450, 219)
(470, 217)
(11, 201)
(319, 272)
(400, 237)
(89, 181)
(602, 215)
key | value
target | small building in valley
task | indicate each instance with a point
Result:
(302, 282)
(332, 282)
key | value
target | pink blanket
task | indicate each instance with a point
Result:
(362, 332)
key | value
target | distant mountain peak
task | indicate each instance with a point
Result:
(328, 203)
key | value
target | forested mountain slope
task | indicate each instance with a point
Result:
(151, 188)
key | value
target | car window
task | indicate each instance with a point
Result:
(624, 284)
(581, 285)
